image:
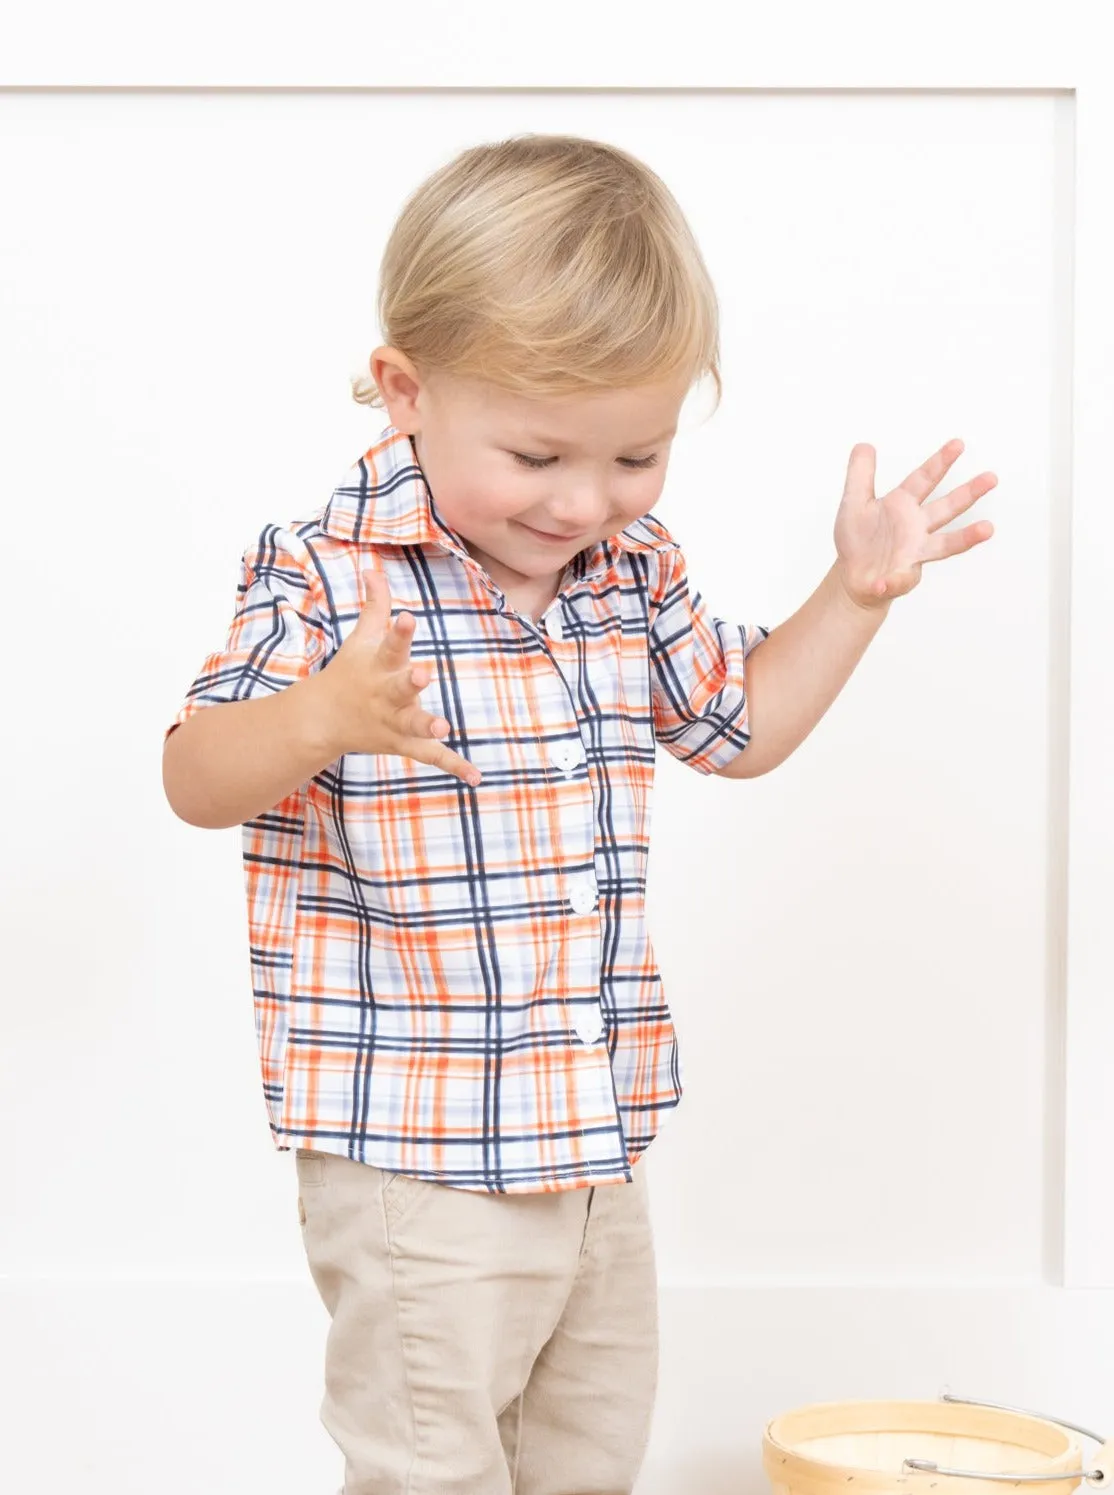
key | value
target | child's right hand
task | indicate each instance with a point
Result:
(372, 687)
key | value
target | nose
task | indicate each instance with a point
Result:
(576, 509)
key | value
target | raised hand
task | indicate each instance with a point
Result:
(373, 687)
(882, 543)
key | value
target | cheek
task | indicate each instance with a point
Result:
(483, 502)
(640, 495)
(499, 499)
(501, 491)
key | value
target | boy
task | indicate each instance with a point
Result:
(435, 716)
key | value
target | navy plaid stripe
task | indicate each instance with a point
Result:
(452, 982)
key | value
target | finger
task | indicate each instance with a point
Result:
(415, 722)
(949, 506)
(859, 486)
(404, 686)
(956, 541)
(394, 651)
(440, 756)
(377, 602)
(923, 479)
(897, 583)
(401, 690)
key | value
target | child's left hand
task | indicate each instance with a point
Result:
(883, 542)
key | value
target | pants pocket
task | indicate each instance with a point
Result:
(310, 1167)
(400, 1193)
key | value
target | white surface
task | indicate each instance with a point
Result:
(584, 43)
(1089, 1204)
(855, 946)
(215, 1386)
(866, 951)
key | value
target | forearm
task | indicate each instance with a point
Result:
(795, 674)
(230, 762)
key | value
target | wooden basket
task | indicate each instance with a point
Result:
(911, 1448)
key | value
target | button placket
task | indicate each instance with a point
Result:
(583, 896)
(588, 1025)
(567, 756)
(586, 1019)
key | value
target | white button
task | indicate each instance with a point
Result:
(553, 626)
(588, 1025)
(583, 897)
(566, 756)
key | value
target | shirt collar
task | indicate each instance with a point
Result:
(384, 499)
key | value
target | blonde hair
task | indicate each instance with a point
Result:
(547, 264)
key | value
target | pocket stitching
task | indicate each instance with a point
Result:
(398, 1195)
(310, 1168)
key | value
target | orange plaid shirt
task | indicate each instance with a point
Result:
(458, 983)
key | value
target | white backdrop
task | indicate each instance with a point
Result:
(861, 1194)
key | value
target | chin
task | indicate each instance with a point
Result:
(535, 570)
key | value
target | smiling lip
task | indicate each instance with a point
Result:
(545, 535)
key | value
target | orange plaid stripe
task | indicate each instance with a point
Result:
(452, 982)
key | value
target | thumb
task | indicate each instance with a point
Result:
(375, 615)
(859, 487)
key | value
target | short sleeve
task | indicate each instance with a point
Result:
(698, 673)
(277, 634)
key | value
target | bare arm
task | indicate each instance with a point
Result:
(796, 673)
(233, 760)
(230, 762)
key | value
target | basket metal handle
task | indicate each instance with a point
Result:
(1092, 1476)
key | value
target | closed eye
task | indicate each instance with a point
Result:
(638, 463)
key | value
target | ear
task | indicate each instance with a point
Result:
(400, 385)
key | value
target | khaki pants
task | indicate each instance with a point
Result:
(482, 1344)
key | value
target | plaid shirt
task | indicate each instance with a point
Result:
(451, 982)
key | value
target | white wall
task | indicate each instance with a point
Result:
(860, 1194)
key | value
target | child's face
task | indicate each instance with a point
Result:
(597, 463)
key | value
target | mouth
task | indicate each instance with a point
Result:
(547, 536)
